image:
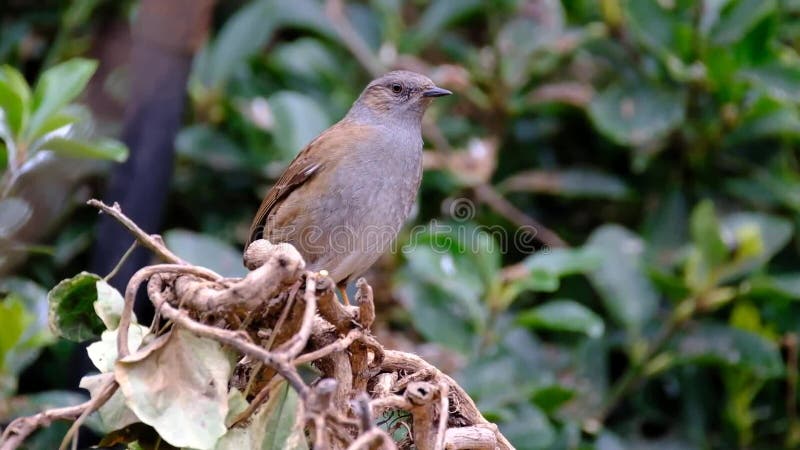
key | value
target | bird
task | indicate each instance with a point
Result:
(345, 196)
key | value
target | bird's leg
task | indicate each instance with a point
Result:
(342, 286)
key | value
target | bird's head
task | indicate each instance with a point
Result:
(399, 94)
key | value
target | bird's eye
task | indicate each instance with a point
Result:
(397, 88)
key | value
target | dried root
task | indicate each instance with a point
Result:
(280, 317)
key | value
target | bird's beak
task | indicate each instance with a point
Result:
(436, 92)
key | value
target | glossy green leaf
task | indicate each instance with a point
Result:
(37, 334)
(306, 57)
(786, 285)
(780, 80)
(249, 29)
(723, 345)
(563, 315)
(298, 120)
(707, 235)
(72, 314)
(439, 15)
(739, 19)
(57, 86)
(661, 27)
(547, 267)
(529, 427)
(521, 38)
(109, 149)
(204, 145)
(15, 98)
(206, 251)
(772, 234)
(448, 268)
(637, 114)
(561, 262)
(621, 279)
(550, 398)
(242, 35)
(430, 306)
(188, 407)
(14, 320)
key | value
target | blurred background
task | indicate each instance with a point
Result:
(605, 249)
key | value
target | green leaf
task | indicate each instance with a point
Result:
(774, 233)
(570, 183)
(528, 428)
(57, 86)
(521, 38)
(437, 17)
(621, 279)
(57, 121)
(429, 306)
(785, 285)
(206, 251)
(780, 80)
(207, 146)
(179, 385)
(273, 426)
(707, 235)
(550, 398)
(14, 320)
(546, 268)
(666, 229)
(449, 267)
(637, 114)
(14, 214)
(563, 315)
(241, 36)
(248, 30)
(15, 98)
(307, 58)
(298, 120)
(767, 118)
(664, 30)
(106, 149)
(741, 17)
(561, 262)
(72, 314)
(732, 347)
(37, 333)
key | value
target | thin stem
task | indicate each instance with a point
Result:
(149, 241)
(634, 374)
(92, 405)
(121, 261)
(488, 195)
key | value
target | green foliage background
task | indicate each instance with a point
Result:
(658, 138)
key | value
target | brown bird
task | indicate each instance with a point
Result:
(343, 199)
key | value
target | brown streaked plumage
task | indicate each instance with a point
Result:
(343, 199)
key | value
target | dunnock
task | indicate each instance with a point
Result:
(343, 199)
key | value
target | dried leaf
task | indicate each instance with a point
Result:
(179, 386)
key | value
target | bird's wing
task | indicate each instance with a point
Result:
(325, 149)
